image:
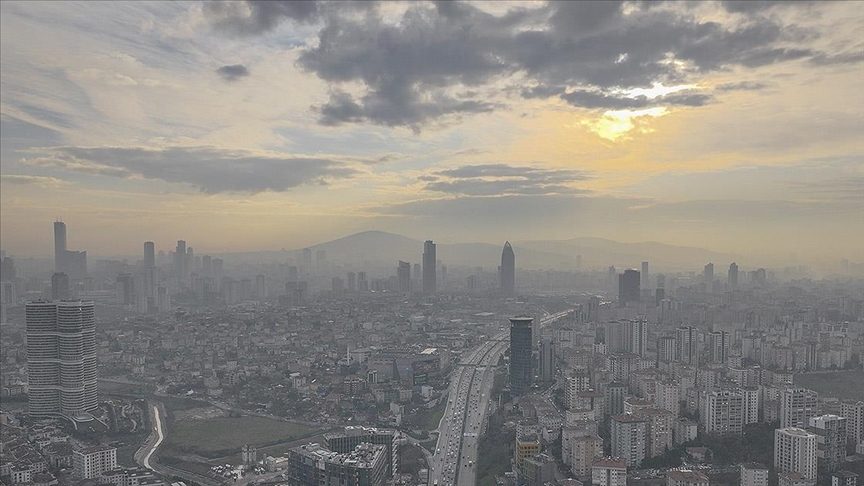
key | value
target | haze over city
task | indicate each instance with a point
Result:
(734, 127)
(431, 243)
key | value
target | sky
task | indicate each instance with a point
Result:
(732, 126)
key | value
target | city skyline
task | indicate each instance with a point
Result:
(722, 125)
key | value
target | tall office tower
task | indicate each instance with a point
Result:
(260, 287)
(830, 433)
(189, 263)
(61, 358)
(718, 343)
(207, 266)
(307, 257)
(630, 438)
(521, 374)
(320, 257)
(709, 276)
(429, 261)
(853, 412)
(609, 472)
(636, 335)
(508, 270)
(795, 452)
(149, 254)
(180, 263)
(643, 277)
(687, 340)
(628, 287)
(612, 277)
(666, 347)
(59, 246)
(60, 286)
(547, 360)
(403, 277)
(362, 283)
(754, 474)
(352, 282)
(797, 406)
(733, 276)
(7, 269)
(722, 412)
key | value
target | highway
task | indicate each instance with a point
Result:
(455, 459)
(157, 427)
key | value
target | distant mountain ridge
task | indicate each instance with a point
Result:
(384, 247)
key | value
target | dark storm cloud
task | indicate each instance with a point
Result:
(209, 169)
(503, 179)
(584, 52)
(233, 72)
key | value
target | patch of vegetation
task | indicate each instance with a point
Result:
(756, 444)
(411, 460)
(224, 436)
(840, 384)
(494, 451)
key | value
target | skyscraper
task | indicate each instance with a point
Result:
(429, 261)
(59, 246)
(709, 276)
(733, 276)
(180, 263)
(687, 340)
(628, 287)
(547, 360)
(60, 286)
(61, 358)
(520, 354)
(508, 270)
(795, 452)
(149, 254)
(403, 277)
(644, 282)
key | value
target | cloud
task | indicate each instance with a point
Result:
(741, 86)
(592, 99)
(411, 71)
(503, 179)
(233, 72)
(209, 169)
(42, 181)
(257, 17)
